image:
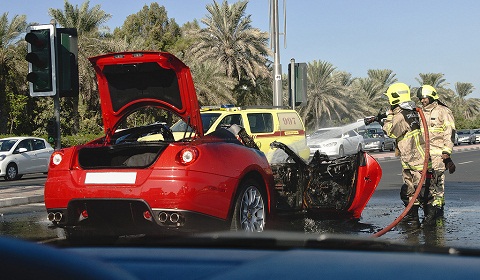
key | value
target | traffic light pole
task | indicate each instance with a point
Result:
(293, 87)
(56, 108)
(277, 67)
(56, 100)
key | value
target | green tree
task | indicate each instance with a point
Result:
(153, 25)
(9, 66)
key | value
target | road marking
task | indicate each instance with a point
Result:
(465, 162)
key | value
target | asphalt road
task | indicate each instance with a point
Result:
(459, 228)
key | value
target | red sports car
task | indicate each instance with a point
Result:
(122, 184)
(118, 185)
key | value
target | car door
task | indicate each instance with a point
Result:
(42, 153)
(348, 141)
(25, 157)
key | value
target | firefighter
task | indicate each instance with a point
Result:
(441, 131)
(403, 124)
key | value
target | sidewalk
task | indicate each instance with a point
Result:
(18, 195)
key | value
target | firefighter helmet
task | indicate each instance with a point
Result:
(427, 91)
(398, 93)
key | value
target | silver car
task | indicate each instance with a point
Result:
(335, 142)
(466, 136)
(477, 134)
(23, 155)
(376, 140)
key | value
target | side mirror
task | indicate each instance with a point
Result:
(21, 150)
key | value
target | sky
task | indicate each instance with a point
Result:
(408, 37)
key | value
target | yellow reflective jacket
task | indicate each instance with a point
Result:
(441, 131)
(404, 126)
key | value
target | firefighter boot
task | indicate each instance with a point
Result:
(412, 215)
(432, 213)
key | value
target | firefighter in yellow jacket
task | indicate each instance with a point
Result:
(441, 131)
(403, 124)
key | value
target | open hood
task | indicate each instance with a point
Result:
(128, 81)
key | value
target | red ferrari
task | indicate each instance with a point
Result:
(122, 184)
(119, 185)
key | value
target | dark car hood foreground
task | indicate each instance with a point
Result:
(239, 255)
(129, 81)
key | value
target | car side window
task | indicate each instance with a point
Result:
(38, 144)
(260, 122)
(27, 144)
(231, 119)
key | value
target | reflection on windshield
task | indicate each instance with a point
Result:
(6, 145)
(326, 133)
(207, 120)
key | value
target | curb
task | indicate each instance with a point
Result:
(14, 201)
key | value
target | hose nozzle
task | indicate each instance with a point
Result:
(369, 120)
(378, 118)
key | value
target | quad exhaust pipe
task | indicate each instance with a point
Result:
(170, 218)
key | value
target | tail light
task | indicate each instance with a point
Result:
(187, 156)
(57, 158)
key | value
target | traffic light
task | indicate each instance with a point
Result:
(300, 77)
(67, 62)
(41, 60)
(52, 131)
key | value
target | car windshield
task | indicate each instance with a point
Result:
(208, 119)
(302, 142)
(326, 133)
(6, 145)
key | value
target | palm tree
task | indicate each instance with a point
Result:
(468, 108)
(9, 37)
(230, 40)
(385, 77)
(370, 92)
(437, 81)
(373, 87)
(327, 98)
(212, 86)
(88, 22)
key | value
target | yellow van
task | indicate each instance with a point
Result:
(265, 125)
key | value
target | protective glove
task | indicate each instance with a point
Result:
(381, 115)
(449, 165)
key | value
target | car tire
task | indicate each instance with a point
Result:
(249, 209)
(11, 172)
(382, 147)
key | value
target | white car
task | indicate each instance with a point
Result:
(477, 135)
(335, 142)
(23, 155)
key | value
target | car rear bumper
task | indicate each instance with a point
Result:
(127, 217)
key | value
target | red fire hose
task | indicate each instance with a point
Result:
(420, 183)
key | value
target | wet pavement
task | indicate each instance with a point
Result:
(458, 228)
